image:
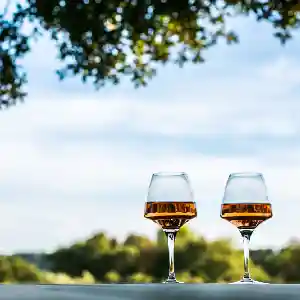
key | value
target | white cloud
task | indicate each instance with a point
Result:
(70, 190)
(218, 112)
(60, 198)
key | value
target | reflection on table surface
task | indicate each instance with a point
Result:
(148, 292)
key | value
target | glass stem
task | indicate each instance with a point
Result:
(171, 235)
(246, 235)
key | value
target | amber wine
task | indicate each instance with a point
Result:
(170, 215)
(246, 215)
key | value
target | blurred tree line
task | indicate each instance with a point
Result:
(139, 259)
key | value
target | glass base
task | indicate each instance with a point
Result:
(248, 281)
(172, 280)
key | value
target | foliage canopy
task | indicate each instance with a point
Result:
(100, 40)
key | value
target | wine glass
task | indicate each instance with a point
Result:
(246, 205)
(170, 204)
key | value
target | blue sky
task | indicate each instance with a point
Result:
(75, 161)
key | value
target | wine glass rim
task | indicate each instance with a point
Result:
(246, 174)
(169, 174)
